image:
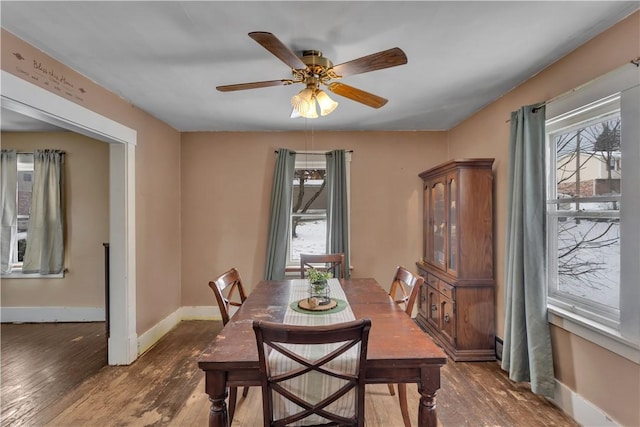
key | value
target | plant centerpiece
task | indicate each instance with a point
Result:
(318, 287)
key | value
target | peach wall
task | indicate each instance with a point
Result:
(583, 366)
(226, 190)
(87, 223)
(157, 179)
(486, 134)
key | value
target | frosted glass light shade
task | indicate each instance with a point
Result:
(302, 100)
(305, 104)
(327, 105)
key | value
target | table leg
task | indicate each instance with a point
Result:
(216, 388)
(428, 387)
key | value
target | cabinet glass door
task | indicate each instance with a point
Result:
(438, 216)
(453, 232)
(426, 224)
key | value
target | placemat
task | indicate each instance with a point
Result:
(342, 304)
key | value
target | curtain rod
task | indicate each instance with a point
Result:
(634, 61)
(31, 152)
(313, 154)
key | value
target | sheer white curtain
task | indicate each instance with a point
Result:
(9, 176)
(45, 239)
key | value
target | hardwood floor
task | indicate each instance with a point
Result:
(164, 387)
(41, 362)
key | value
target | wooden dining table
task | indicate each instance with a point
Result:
(399, 351)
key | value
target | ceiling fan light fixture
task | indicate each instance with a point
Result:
(294, 114)
(304, 104)
(327, 105)
(302, 100)
(310, 113)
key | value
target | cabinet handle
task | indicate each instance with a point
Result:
(444, 290)
(423, 298)
(447, 318)
(434, 307)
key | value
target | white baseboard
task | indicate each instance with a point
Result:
(153, 334)
(51, 314)
(580, 409)
(157, 331)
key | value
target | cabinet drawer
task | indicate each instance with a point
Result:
(446, 289)
(431, 280)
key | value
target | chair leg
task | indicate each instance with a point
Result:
(245, 390)
(233, 392)
(391, 390)
(402, 397)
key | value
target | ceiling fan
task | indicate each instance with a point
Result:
(313, 70)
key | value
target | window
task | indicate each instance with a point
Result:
(36, 199)
(583, 209)
(309, 206)
(592, 230)
(23, 207)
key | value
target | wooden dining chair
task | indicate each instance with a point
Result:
(279, 380)
(404, 291)
(324, 262)
(229, 292)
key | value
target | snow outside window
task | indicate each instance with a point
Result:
(308, 208)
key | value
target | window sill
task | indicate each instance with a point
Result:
(600, 335)
(296, 269)
(19, 275)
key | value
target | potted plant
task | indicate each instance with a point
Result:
(318, 285)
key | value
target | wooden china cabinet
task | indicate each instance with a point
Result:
(456, 303)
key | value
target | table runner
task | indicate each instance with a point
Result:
(300, 290)
(313, 386)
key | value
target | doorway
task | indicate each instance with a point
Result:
(22, 97)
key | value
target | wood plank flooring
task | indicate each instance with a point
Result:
(41, 362)
(164, 387)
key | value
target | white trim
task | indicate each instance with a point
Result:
(201, 312)
(157, 331)
(123, 347)
(18, 275)
(19, 95)
(595, 332)
(51, 314)
(580, 409)
(624, 77)
(629, 208)
(26, 98)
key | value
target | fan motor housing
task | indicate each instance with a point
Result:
(313, 58)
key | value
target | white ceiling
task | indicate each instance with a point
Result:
(167, 57)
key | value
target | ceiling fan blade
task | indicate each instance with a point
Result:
(376, 61)
(253, 85)
(357, 95)
(277, 48)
